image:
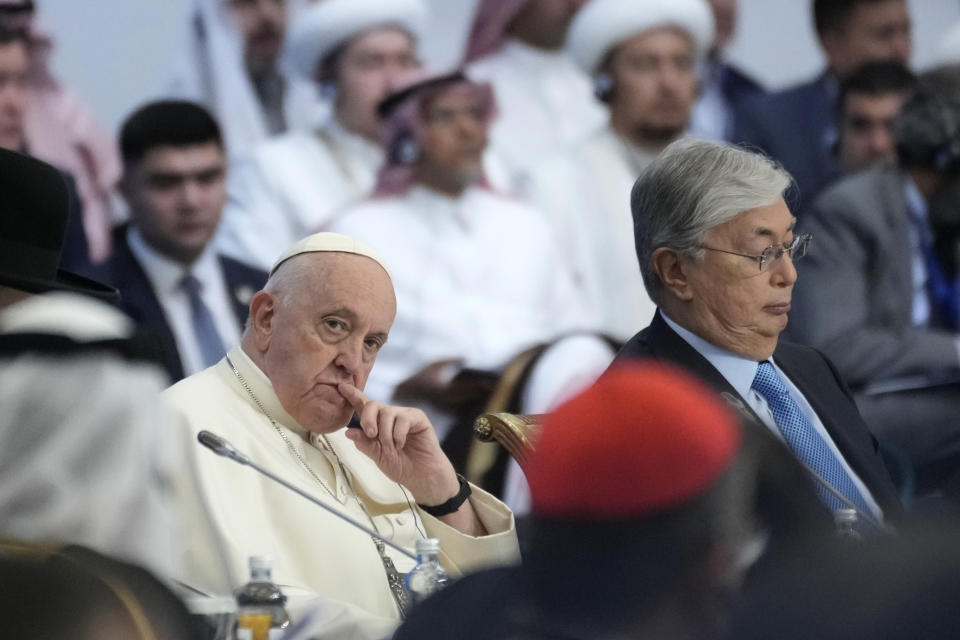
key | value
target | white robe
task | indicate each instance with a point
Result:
(479, 277)
(544, 104)
(211, 71)
(586, 193)
(228, 512)
(86, 452)
(290, 186)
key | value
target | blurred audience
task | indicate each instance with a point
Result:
(870, 100)
(642, 56)
(231, 65)
(171, 279)
(798, 126)
(56, 126)
(716, 244)
(14, 94)
(546, 102)
(661, 560)
(84, 451)
(880, 293)
(479, 277)
(354, 50)
(722, 84)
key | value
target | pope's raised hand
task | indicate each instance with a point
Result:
(403, 444)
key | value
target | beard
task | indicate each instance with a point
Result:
(657, 136)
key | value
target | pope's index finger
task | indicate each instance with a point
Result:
(353, 395)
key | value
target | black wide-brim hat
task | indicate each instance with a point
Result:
(34, 205)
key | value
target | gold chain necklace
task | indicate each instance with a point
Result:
(395, 579)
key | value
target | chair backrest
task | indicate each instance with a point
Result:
(517, 433)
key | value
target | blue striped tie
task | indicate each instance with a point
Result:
(208, 339)
(805, 442)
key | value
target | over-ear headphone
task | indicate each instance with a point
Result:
(928, 129)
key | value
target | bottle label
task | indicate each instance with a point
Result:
(258, 623)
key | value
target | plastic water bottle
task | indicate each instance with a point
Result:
(260, 611)
(846, 521)
(427, 576)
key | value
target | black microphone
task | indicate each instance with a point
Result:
(223, 448)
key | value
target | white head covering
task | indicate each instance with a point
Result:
(602, 24)
(86, 449)
(212, 72)
(325, 25)
(332, 242)
(948, 49)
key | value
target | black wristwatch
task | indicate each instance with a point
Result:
(453, 503)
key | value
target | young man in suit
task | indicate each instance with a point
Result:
(716, 245)
(169, 278)
(798, 125)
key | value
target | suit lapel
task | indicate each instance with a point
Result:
(140, 302)
(665, 344)
(240, 289)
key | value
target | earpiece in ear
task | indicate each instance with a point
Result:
(327, 90)
(602, 86)
(405, 150)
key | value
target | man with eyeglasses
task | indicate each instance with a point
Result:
(717, 244)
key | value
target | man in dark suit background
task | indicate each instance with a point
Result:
(170, 279)
(716, 244)
(723, 85)
(798, 126)
(880, 292)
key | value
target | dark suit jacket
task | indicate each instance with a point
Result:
(813, 375)
(138, 300)
(737, 86)
(797, 127)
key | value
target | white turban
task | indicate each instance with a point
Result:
(603, 24)
(325, 25)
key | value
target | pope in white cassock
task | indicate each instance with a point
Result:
(283, 398)
(643, 56)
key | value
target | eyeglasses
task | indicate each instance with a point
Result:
(796, 250)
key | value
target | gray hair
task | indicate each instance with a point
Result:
(691, 187)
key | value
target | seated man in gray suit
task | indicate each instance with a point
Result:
(880, 292)
(716, 246)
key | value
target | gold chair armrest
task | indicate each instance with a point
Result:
(517, 433)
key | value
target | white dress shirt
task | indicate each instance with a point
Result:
(165, 275)
(740, 372)
(711, 117)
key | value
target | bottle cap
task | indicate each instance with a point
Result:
(428, 545)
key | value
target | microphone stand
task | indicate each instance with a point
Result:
(223, 448)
